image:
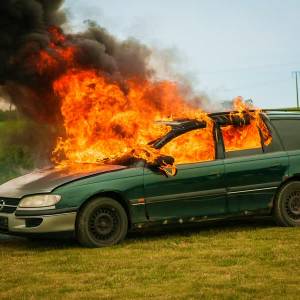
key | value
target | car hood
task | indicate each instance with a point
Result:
(46, 180)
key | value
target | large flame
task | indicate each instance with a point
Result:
(105, 120)
(246, 136)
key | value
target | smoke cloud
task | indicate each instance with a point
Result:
(28, 31)
(24, 33)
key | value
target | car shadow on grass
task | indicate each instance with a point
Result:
(147, 235)
(208, 227)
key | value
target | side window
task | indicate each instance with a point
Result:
(275, 144)
(288, 131)
(241, 140)
(194, 146)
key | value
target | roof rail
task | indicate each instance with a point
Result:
(282, 109)
(183, 123)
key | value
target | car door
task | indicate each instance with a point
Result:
(196, 191)
(253, 174)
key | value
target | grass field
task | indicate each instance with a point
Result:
(228, 260)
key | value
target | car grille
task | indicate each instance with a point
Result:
(8, 205)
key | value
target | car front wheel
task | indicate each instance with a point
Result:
(287, 205)
(101, 222)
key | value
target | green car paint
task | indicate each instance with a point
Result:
(126, 184)
(225, 187)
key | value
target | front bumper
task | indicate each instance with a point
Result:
(39, 224)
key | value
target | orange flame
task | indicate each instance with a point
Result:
(60, 53)
(246, 136)
(105, 121)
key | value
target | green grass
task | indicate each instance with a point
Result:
(15, 153)
(24, 145)
(228, 260)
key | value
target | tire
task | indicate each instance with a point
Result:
(101, 222)
(287, 205)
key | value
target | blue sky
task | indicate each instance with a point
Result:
(227, 48)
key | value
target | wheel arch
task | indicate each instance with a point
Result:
(110, 194)
(278, 212)
(294, 177)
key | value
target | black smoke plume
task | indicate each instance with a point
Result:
(31, 29)
(24, 32)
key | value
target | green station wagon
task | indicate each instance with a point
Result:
(101, 204)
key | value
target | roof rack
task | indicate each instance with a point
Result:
(173, 123)
(223, 119)
(184, 124)
(282, 109)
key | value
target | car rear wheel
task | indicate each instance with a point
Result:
(101, 222)
(287, 205)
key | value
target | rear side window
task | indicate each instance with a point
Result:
(289, 132)
(241, 141)
(275, 145)
(240, 138)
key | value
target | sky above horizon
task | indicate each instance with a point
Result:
(226, 48)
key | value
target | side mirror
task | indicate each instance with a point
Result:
(164, 165)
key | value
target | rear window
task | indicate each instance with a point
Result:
(289, 132)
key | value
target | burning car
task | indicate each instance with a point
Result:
(250, 166)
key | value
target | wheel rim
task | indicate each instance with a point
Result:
(292, 205)
(104, 224)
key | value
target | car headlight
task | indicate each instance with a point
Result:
(39, 201)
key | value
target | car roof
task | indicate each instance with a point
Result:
(282, 114)
(268, 112)
(217, 116)
(179, 126)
